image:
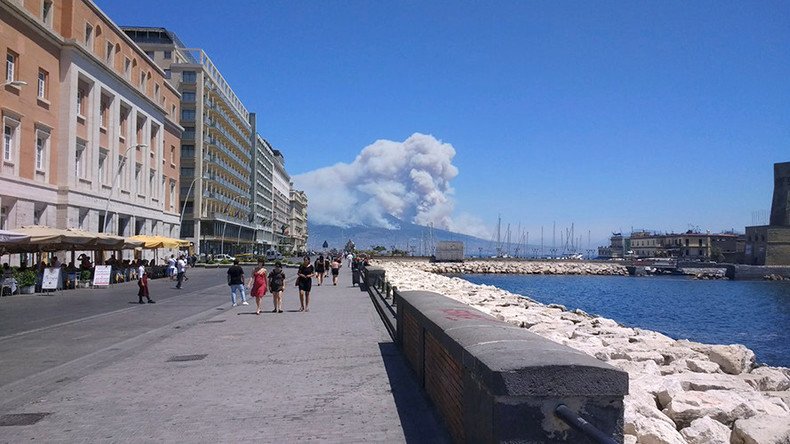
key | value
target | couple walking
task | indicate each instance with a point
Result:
(259, 283)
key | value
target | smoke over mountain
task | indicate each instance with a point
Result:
(408, 180)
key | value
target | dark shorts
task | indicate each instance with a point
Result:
(335, 271)
(305, 284)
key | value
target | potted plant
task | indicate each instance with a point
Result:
(85, 278)
(26, 280)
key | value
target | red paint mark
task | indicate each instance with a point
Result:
(453, 314)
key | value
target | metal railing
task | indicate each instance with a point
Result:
(381, 293)
(571, 418)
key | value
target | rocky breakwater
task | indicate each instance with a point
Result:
(680, 391)
(521, 267)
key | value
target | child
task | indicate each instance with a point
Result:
(142, 283)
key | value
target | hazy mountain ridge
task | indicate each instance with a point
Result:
(407, 236)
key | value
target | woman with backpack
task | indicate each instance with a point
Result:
(277, 285)
(258, 283)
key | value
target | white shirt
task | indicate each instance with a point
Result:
(171, 263)
(181, 265)
(140, 272)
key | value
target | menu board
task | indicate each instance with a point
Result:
(51, 279)
(101, 275)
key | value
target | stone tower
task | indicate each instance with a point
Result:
(780, 208)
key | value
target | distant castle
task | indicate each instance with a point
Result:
(770, 244)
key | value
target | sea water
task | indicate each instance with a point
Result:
(753, 313)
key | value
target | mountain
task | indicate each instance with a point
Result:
(408, 237)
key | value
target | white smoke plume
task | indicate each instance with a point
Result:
(409, 180)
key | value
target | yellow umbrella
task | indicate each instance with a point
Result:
(151, 241)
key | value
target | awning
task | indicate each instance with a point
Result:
(106, 241)
(13, 238)
(151, 242)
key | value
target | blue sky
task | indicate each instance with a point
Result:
(611, 115)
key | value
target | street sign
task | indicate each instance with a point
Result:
(101, 275)
(51, 279)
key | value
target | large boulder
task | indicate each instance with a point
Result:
(733, 359)
(706, 430)
(768, 379)
(763, 429)
(702, 382)
(643, 420)
(725, 406)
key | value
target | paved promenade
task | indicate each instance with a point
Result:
(330, 375)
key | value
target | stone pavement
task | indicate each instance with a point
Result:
(330, 375)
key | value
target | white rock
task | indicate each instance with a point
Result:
(767, 379)
(629, 439)
(762, 429)
(700, 366)
(733, 359)
(643, 420)
(706, 430)
(722, 405)
(702, 382)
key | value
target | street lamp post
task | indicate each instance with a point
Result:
(115, 180)
(184, 207)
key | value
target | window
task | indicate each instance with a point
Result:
(80, 160)
(10, 66)
(168, 73)
(189, 132)
(102, 166)
(187, 150)
(188, 76)
(42, 140)
(124, 177)
(46, 12)
(156, 91)
(150, 54)
(109, 52)
(188, 96)
(172, 193)
(127, 68)
(152, 183)
(142, 80)
(137, 181)
(42, 84)
(80, 95)
(172, 154)
(103, 107)
(168, 55)
(9, 142)
(187, 114)
(88, 35)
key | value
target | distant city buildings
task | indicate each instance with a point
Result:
(690, 245)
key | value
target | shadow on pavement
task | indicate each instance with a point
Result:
(418, 417)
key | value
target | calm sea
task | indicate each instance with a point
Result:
(753, 313)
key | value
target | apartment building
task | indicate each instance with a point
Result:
(298, 218)
(262, 194)
(217, 146)
(281, 192)
(91, 137)
(690, 245)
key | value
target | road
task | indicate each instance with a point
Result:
(43, 337)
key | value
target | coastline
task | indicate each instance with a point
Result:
(680, 391)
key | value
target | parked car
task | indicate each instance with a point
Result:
(273, 255)
(224, 257)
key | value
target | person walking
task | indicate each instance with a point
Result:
(305, 283)
(336, 264)
(171, 267)
(142, 284)
(258, 284)
(349, 259)
(236, 283)
(181, 266)
(277, 286)
(319, 269)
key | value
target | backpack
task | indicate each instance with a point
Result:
(276, 279)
